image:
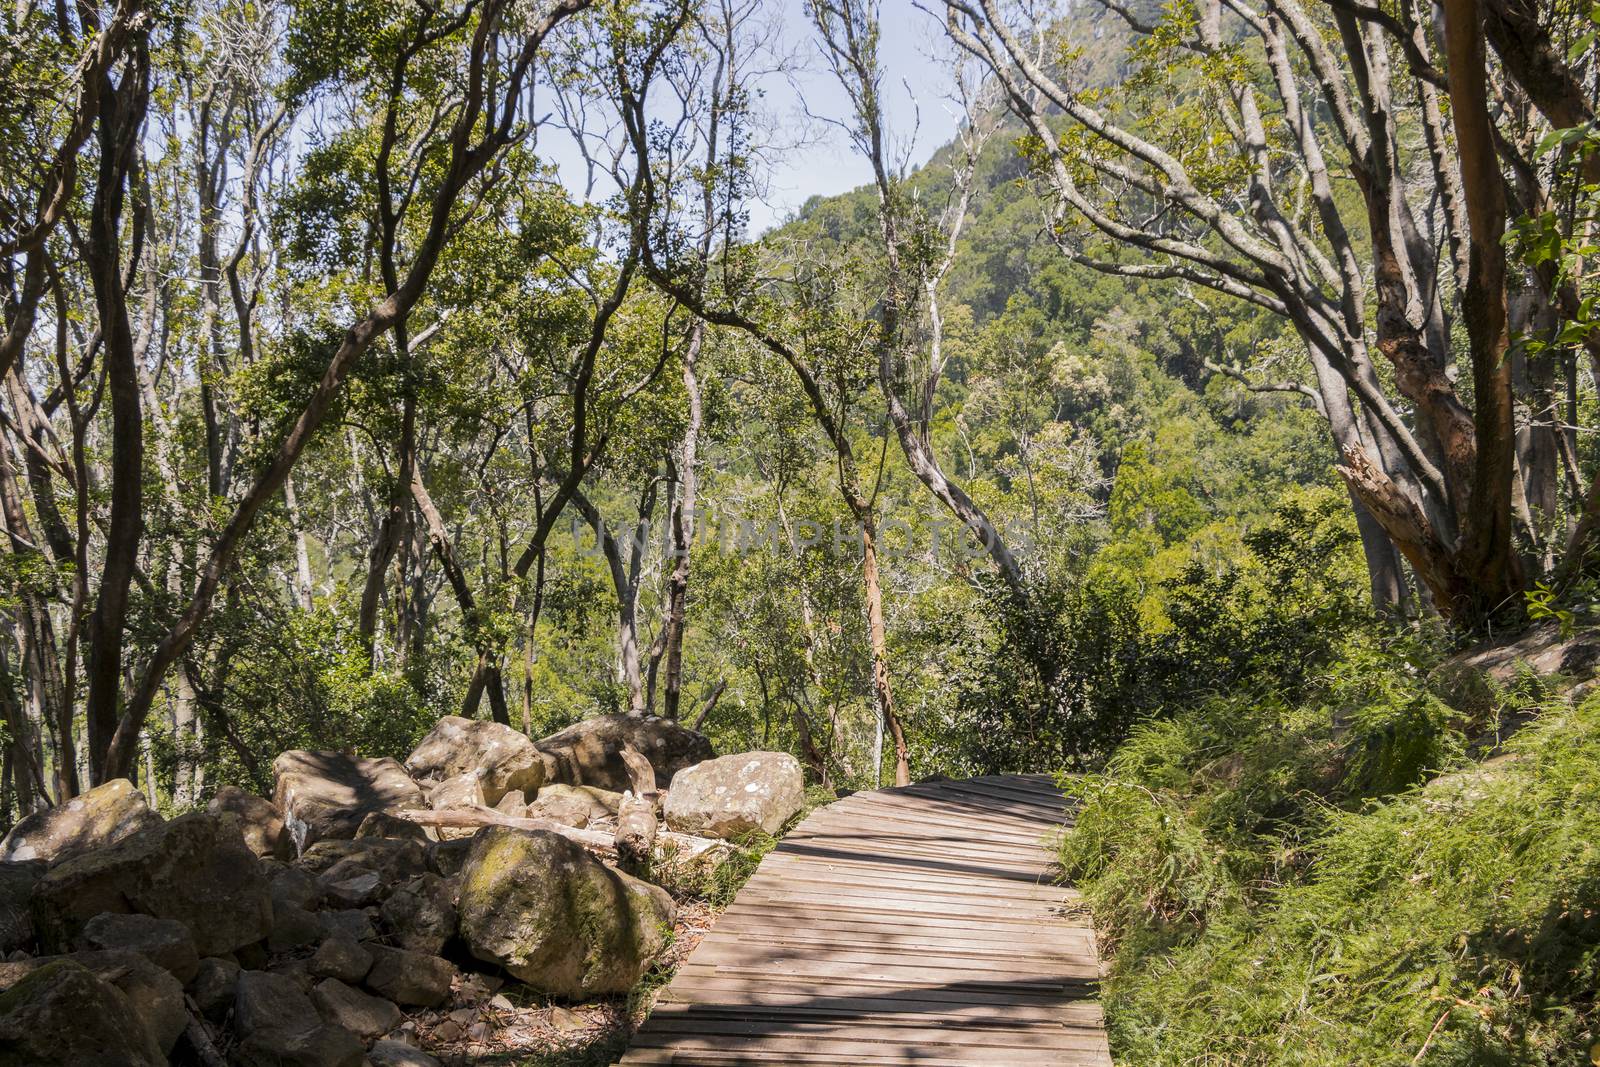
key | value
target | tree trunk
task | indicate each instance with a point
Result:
(302, 557)
(880, 647)
(683, 521)
(1487, 560)
(121, 122)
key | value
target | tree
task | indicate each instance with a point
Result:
(1440, 489)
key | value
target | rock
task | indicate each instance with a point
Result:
(590, 752)
(252, 957)
(381, 824)
(736, 794)
(501, 758)
(17, 880)
(279, 1026)
(347, 885)
(477, 988)
(61, 1015)
(410, 977)
(514, 803)
(353, 923)
(361, 1013)
(261, 822)
(394, 860)
(295, 967)
(324, 1045)
(294, 927)
(327, 795)
(399, 1054)
(295, 886)
(155, 995)
(195, 869)
(557, 918)
(422, 914)
(265, 1001)
(574, 805)
(102, 816)
(166, 943)
(213, 986)
(342, 958)
(446, 858)
(461, 791)
(567, 1021)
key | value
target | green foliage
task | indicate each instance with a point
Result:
(1296, 882)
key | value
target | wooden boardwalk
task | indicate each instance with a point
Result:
(917, 925)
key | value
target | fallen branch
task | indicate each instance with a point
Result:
(636, 816)
(199, 1034)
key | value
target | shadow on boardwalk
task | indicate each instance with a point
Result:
(908, 926)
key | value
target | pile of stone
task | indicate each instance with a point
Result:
(310, 929)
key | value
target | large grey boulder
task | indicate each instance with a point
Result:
(62, 1015)
(556, 917)
(279, 1027)
(327, 795)
(735, 795)
(501, 758)
(17, 880)
(590, 752)
(102, 816)
(259, 819)
(195, 869)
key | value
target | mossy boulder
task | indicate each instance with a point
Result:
(102, 816)
(556, 917)
(62, 1015)
(498, 756)
(195, 869)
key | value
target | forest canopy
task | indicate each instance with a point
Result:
(365, 363)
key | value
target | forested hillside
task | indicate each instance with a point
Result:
(1170, 429)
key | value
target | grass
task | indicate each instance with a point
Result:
(1303, 886)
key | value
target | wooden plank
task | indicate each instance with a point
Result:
(912, 925)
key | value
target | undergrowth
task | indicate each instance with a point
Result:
(1341, 882)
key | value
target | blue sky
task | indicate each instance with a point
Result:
(916, 95)
(916, 91)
